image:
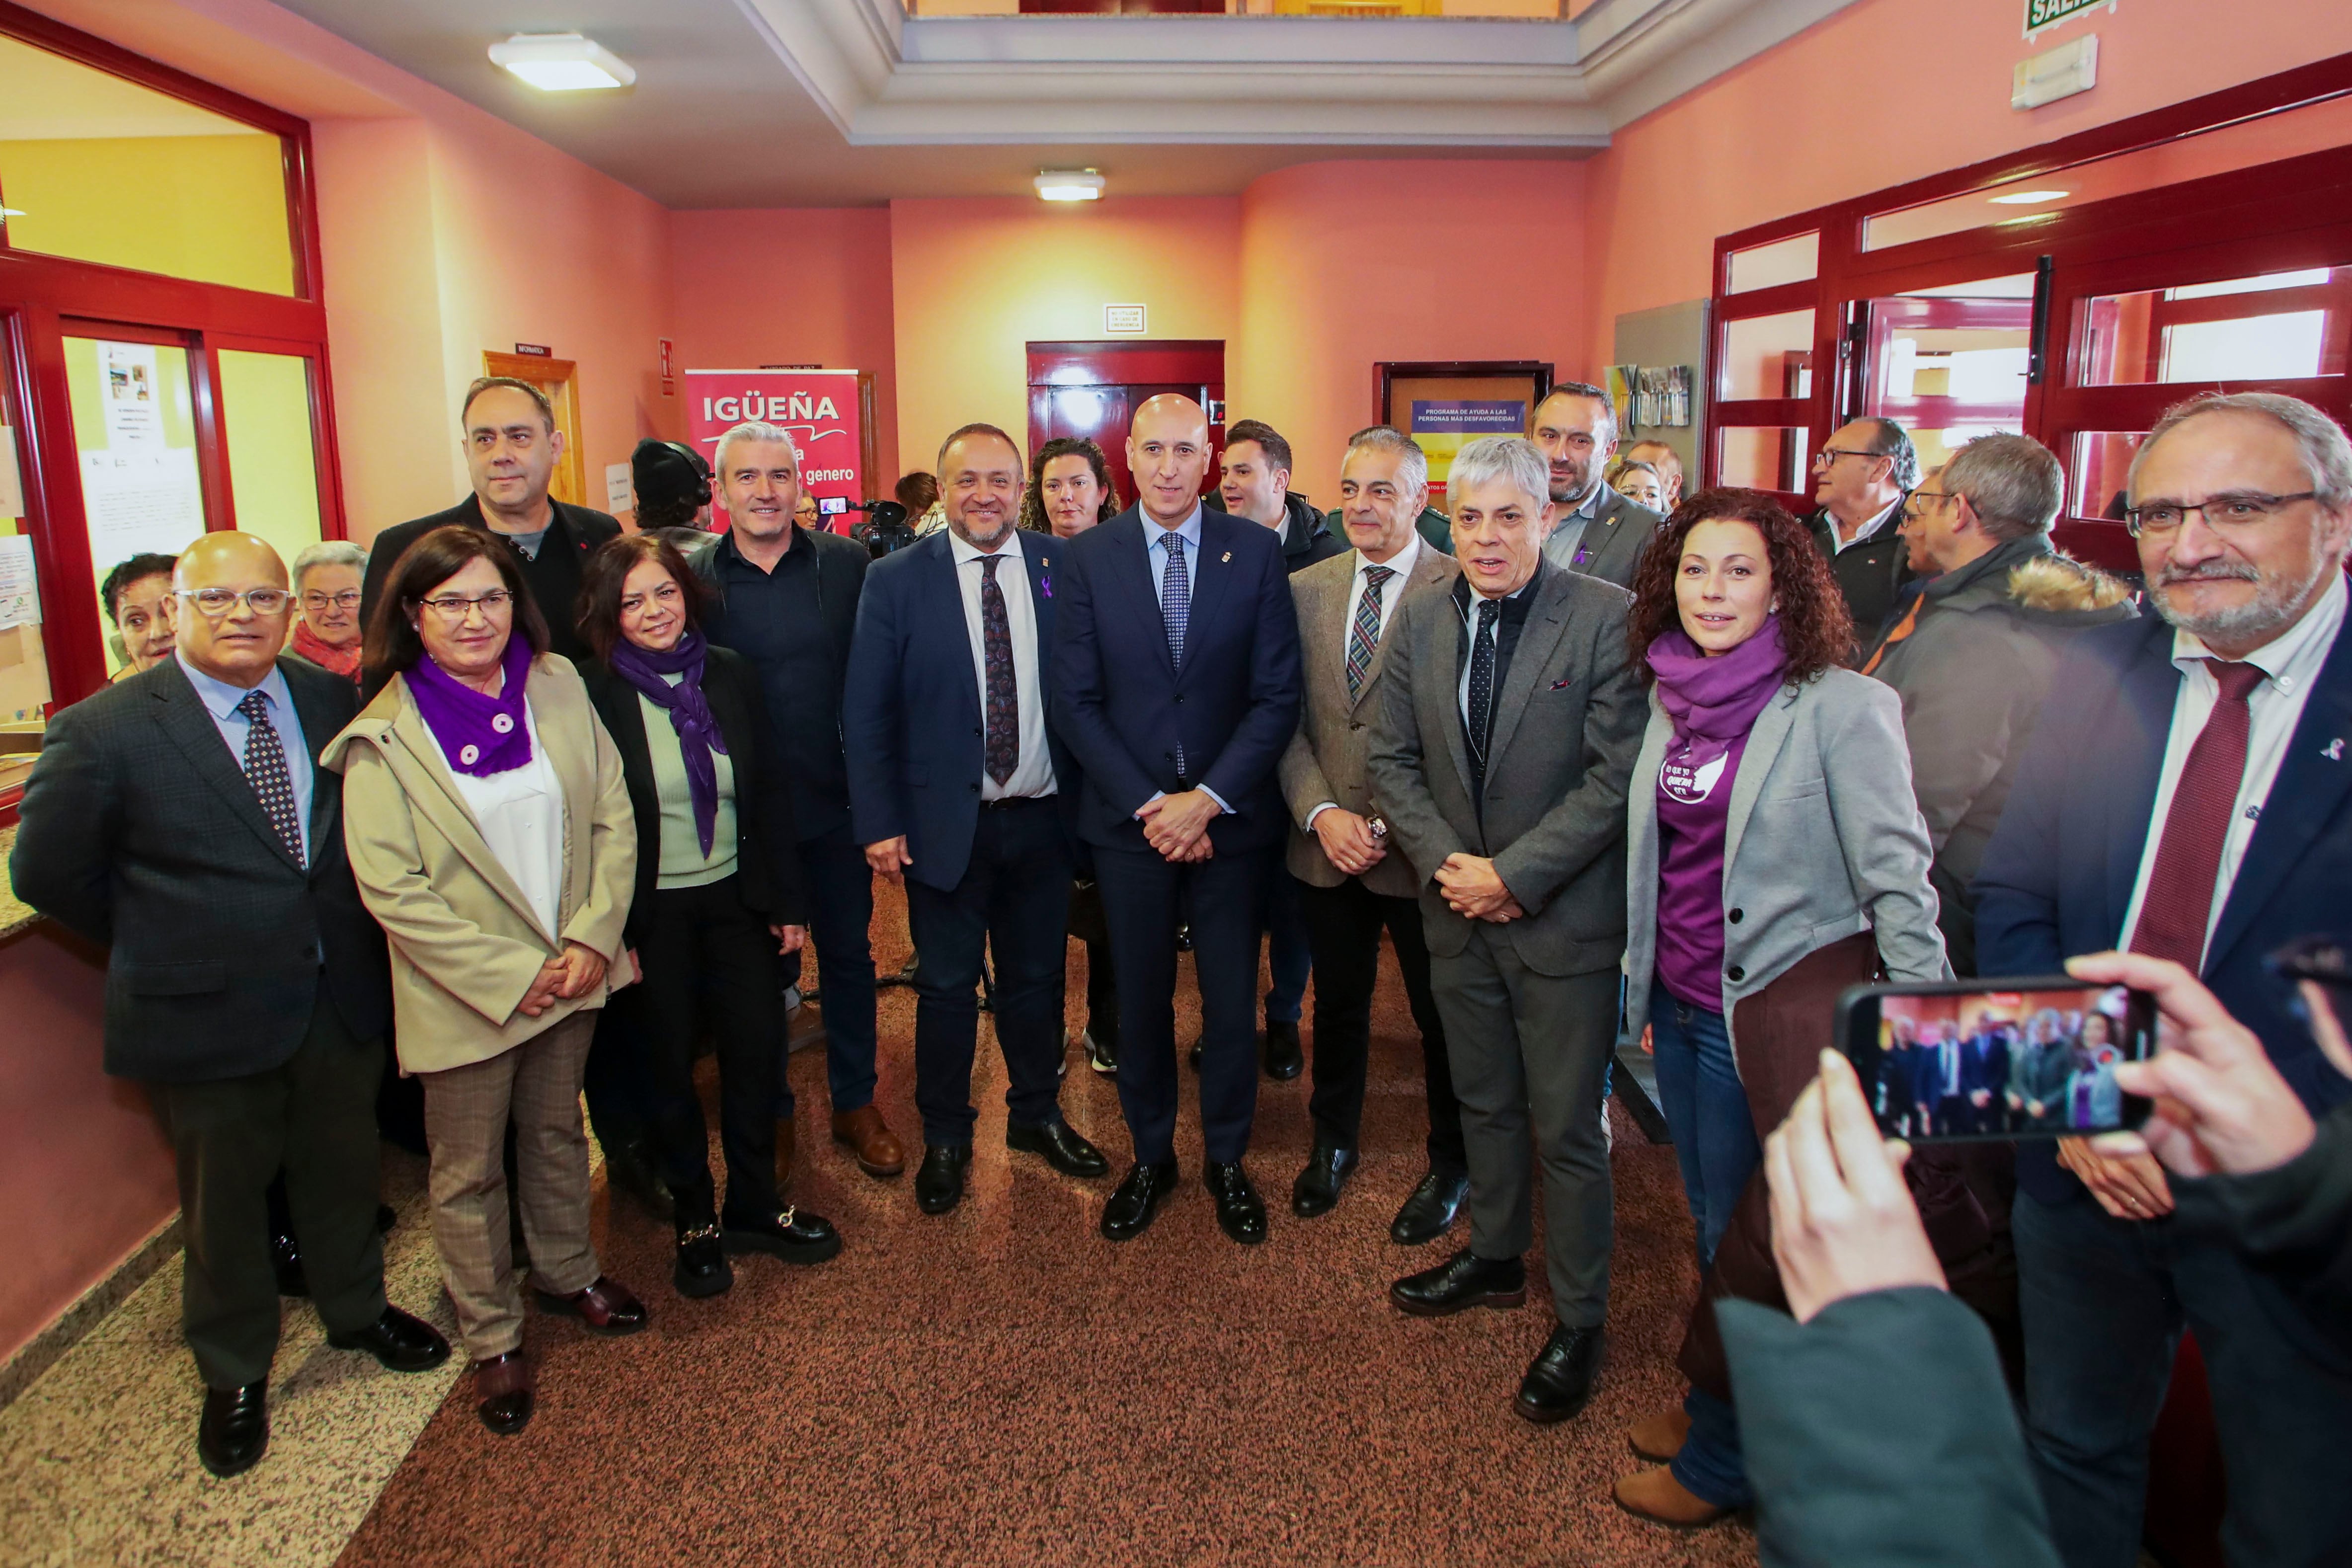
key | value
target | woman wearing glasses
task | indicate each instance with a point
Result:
(490, 832)
(326, 587)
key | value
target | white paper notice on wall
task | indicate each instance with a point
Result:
(1123, 319)
(12, 483)
(20, 595)
(619, 497)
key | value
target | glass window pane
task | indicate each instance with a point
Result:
(95, 168)
(2280, 327)
(1767, 356)
(24, 661)
(272, 462)
(1763, 457)
(2102, 459)
(1791, 260)
(135, 430)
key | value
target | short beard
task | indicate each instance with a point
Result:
(1568, 492)
(2275, 605)
(982, 541)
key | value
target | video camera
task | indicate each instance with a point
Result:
(885, 529)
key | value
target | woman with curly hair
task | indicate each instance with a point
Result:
(1775, 856)
(1070, 488)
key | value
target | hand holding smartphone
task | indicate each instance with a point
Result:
(1948, 1061)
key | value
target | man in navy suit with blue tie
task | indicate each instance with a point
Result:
(957, 792)
(1176, 683)
(2187, 793)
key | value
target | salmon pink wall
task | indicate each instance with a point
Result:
(1345, 264)
(1883, 92)
(805, 286)
(974, 280)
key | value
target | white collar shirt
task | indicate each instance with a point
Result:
(1032, 774)
(1867, 532)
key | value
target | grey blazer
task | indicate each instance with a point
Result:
(1612, 543)
(1824, 840)
(1568, 722)
(1326, 758)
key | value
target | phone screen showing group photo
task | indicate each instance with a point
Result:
(2006, 1064)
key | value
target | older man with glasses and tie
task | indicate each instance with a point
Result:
(1861, 478)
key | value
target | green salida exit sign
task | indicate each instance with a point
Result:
(2041, 13)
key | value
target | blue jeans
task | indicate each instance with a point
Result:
(1706, 1110)
(1709, 1464)
(1286, 951)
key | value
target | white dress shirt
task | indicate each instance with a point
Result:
(520, 813)
(1392, 590)
(1867, 532)
(2292, 660)
(1033, 776)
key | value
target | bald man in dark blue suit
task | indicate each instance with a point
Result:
(1176, 685)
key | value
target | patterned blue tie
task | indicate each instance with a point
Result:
(265, 770)
(1176, 610)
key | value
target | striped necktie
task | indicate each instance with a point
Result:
(1364, 635)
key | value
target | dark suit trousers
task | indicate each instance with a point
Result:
(703, 946)
(1343, 928)
(1143, 898)
(315, 1116)
(1015, 900)
(841, 911)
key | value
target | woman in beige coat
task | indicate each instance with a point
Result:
(492, 836)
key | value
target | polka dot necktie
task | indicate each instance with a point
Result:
(265, 770)
(1481, 717)
(1003, 750)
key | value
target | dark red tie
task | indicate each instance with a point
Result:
(2179, 907)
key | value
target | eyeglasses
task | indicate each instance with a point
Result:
(452, 607)
(215, 602)
(1918, 505)
(1827, 455)
(666, 597)
(349, 599)
(2233, 511)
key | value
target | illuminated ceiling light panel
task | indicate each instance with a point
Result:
(2028, 198)
(1069, 184)
(562, 62)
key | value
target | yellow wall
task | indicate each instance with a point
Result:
(211, 208)
(273, 471)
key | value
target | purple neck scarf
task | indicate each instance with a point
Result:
(698, 739)
(479, 735)
(1714, 701)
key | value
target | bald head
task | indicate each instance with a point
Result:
(234, 609)
(1168, 453)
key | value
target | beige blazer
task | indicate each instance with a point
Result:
(1326, 758)
(465, 944)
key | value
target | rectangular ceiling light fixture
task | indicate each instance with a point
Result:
(1069, 184)
(562, 62)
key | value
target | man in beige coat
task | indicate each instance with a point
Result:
(1351, 886)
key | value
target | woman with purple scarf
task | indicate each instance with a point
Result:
(718, 895)
(1775, 855)
(488, 829)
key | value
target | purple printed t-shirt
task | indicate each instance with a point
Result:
(1694, 811)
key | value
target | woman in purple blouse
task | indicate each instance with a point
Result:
(1775, 856)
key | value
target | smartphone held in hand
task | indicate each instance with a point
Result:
(1949, 1060)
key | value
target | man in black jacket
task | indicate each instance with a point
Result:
(179, 819)
(511, 447)
(1862, 478)
(785, 598)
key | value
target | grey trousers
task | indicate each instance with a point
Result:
(315, 1115)
(465, 1114)
(1531, 1051)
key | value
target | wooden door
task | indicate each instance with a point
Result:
(555, 377)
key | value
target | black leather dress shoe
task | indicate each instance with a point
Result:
(1285, 1060)
(1430, 1212)
(938, 1181)
(1559, 1380)
(402, 1343)
(1062, 1148)
(1462, 1281)
(285, 1262)
(1138, 1198)
(235, 1431)
(1317, 1189)
(1102, 1049)
(503, 1386)
(702, 1268)
(1240, 1213)
(629, 1168)
(793, 1235)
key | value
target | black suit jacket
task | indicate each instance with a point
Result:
(140, 831)
(913, 717)
(1122, 707)
(554, 577)
(767, 851)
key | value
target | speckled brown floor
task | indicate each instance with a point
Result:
(1003, 1386)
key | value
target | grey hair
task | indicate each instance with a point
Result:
(1892, 441)
(752, 430)
(2327, 454)
(1604, 432)
(330, 552)
(1413, 463)
(2013, 482)
(1513, 461)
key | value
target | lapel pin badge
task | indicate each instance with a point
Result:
(2335, 752)
(1228, 555)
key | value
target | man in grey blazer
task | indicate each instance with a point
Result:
(1352, 885)
(1595, 530)
(1508, 724)
(179, 819)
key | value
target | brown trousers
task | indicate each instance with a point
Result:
(537, 1084)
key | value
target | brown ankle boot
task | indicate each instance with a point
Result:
(1658, 1439)
(868, 1137)
(1656, 1496)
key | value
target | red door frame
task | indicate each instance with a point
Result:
(1158, 364)
(46, 299)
